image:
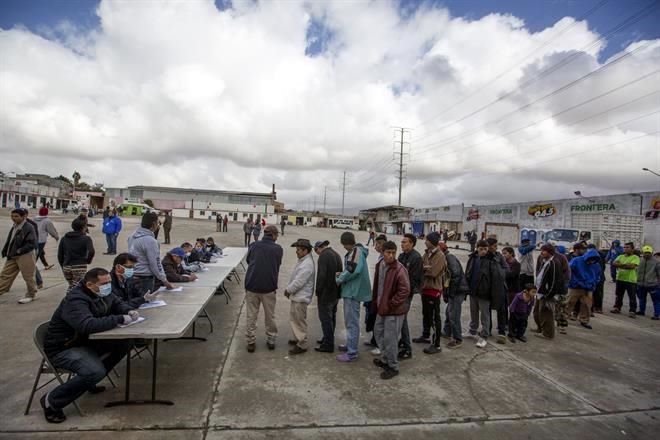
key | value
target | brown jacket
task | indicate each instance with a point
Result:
(434, 275)
(395, 291)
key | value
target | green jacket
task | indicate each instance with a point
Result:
(356, 285)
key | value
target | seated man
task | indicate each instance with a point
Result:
(121, 274)
(172, 266)
(202, 255)
(211, 248)
(90, 307)
(191, 262)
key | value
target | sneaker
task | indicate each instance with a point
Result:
(404, 355)
(97, 389)
(251, 348)
(292, 342)
(270, 345)
(52, 415)
(297, 350)
(380, 364)
(501, 339)
(522, 338)
(325, 349)
(640, 313)
(376, 351)
(454, 344)
(421, 340)
(632, 315)
(586, 325)
(389, 373)
(432, 349)
(655, 318)
(345, 357)
(512, 339)
(40, 286)
(26, 300)
(343, 348)
(481, 343)
(615, 310)
(562, 330)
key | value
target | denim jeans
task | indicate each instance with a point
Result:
(328, 316)
(111, 240)
(352, 322)
(453, 327)
(642, 292)
(406, 343)
(88, 367)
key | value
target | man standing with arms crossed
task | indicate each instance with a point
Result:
(264, 259)
(328, 293)
(146, 249)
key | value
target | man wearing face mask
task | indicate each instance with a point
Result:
(146, 249)
(90, 307)
(123, 269)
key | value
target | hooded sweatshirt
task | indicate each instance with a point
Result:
(585, 271)
(356, 285)
(301, 283)
(45, 228)
(144, 246)
(648, 272)
(75, 249)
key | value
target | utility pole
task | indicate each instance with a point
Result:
(325, 197)
(314, 204)
(401, 131)
(343, 193)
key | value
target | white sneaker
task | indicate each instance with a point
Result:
(25, 300)
(376, 351)
(481, 343)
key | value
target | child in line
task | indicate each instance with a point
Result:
(519, 310)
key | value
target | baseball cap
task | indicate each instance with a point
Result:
(646, 249)
(178, 252)
(321, 243)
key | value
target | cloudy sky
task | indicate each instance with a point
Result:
(505, 100)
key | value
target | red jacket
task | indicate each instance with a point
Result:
(395, 291)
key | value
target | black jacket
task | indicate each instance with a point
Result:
(174, 272)
(23, 243)
(75, 249)
(552, 283)
(458, 284)
(264, 258)
(412, 261)
(330, 263)
(512, 277)
(490, 280)
(126, 291)
(81, 313)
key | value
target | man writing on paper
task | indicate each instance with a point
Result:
(122, 271)
(174, 270)
(90, 307)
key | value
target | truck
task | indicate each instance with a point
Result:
(600, 229)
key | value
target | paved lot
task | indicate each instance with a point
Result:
(599, 384)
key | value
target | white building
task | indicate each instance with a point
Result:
(33, 191)
(200, 203)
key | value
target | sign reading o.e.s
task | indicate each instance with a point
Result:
(542, 211)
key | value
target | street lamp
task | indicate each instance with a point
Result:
(651, 171)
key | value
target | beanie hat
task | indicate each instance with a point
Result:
(43, 211)
(434, 238)
(347, 238)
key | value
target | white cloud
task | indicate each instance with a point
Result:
(179, 93)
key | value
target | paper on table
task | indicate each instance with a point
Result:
(163, 289)
(140, 319)
(152, 304)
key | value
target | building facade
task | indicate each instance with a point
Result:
(33, 191)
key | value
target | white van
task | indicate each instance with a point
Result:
(342, 223)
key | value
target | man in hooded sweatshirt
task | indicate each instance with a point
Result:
(585, 274)
(355, 288)
(45, 228)
(75, 252)
(648, 281)
(145, 247)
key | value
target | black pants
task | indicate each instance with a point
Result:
(629, 288)
(405, 341)
(247, 239)
(525, 279)
(431, 319)
(224, 227)
(42, 254)
(517, 325)
(598, 295)
(167, 235)
(328, 317)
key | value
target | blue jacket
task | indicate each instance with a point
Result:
(112, 225)
(585, 271)
(264, 258)
(613, 253)
(524, 250)
(356, 285)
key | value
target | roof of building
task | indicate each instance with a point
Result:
(388, 208)
(193, 190)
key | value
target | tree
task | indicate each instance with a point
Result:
(149, 202)
(76, 178)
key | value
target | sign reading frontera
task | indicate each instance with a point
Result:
(594, 207)
(541, 211)
(500, 211)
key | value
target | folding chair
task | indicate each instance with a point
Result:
(45, 367)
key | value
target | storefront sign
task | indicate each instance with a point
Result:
(500, 211)
(542, 211)
(473, 214)
(594, 207)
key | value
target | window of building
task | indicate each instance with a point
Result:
(202, 212)
(245, 214)
(214, 213)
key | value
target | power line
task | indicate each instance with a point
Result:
(517, 63)
(546, 96)
(627, 22)
(554, 115)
